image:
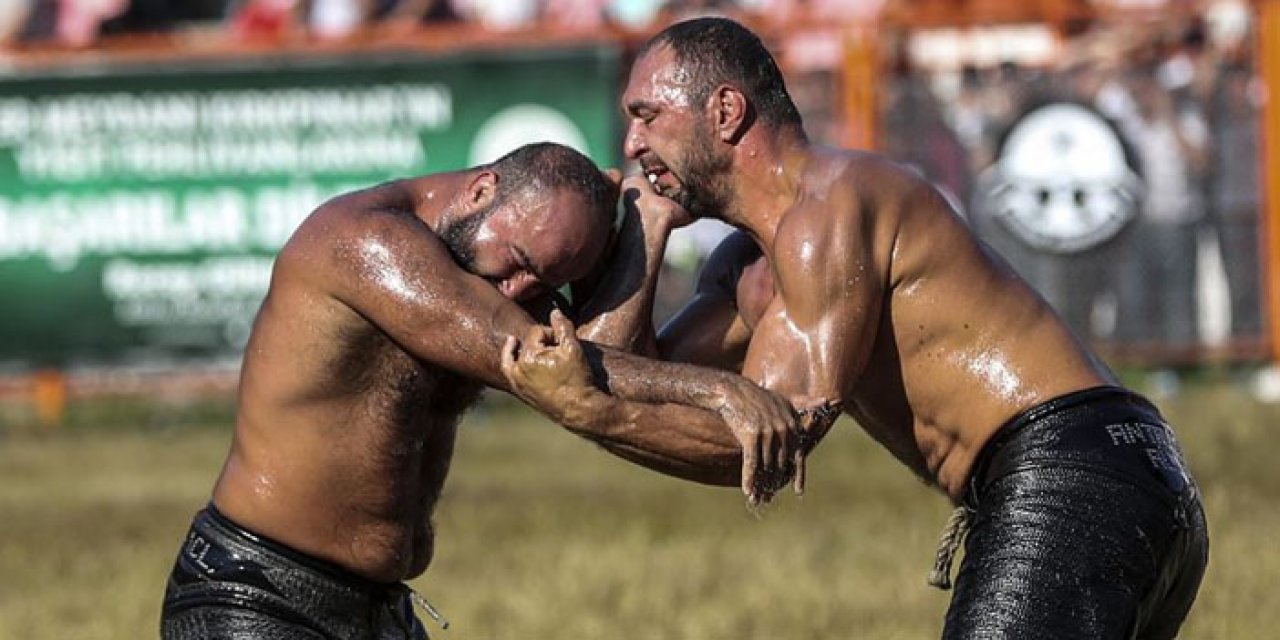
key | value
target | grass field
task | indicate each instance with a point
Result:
(542, 536)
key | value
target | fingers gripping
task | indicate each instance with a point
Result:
(816, 419)
(563, 331)
(510, 370)
(537, 336)
(750, 462)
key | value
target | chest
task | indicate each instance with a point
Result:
(398, 387)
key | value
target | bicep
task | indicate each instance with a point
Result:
(816, 336)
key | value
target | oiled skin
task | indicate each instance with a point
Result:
(873, 291)
(851, 280)
(372, 341)
(350, 390)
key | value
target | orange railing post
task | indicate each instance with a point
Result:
(859, 81)
(1268, 33)
(50, 395)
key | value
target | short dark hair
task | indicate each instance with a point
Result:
(547, 165)
(719, 50)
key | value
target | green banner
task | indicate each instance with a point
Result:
(140, 207)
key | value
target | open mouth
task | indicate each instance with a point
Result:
(662, 179)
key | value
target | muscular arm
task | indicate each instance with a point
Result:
(815, 337)
(377, 260)
(552, 373)
(620, 311)
(385, 265)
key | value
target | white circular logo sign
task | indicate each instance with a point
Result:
(523, 124)
(1062, 182)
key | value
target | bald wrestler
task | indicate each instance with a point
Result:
(385, 316)
(852, 279)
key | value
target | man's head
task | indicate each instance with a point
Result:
(533, 220)
(695, 90)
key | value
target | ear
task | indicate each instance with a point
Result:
(614, 175)
(729, 108)
(481, 190)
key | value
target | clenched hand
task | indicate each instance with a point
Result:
(549, 371)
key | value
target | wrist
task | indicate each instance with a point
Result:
(716, 395)
(659, 227)
(587, 409)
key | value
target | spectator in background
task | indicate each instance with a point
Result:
(918, 135)
(1234, 192)
(1160, 284)
(38, 26)
(13, 19)
(157, 16)
(634, 14)
(319, 19)
(574, 15)
(499, 15)
(973, 126)
(336, 19)
(255, 19)
(406, 16)
(680, 10)
(80, 21)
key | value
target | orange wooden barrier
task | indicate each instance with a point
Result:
(1268, 31)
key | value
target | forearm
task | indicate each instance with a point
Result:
(620, 313)
(675, 440)
(640, 379)
(640, 409)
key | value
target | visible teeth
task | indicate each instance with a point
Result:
(653, 178)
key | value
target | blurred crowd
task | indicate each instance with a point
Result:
(1180, 88)
(1184, 97)
(80, 23)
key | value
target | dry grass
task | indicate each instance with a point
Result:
(541, 536)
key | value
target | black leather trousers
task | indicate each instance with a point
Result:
(231, 583)
(1084, 523)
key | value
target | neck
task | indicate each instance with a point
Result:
(437, 197)
(766, 181)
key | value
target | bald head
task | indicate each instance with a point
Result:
(547, 166)
(547, 223)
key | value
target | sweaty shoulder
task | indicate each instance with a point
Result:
(354, 234)
(883, 208)
(846, 215)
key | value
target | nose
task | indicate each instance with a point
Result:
(633, 145)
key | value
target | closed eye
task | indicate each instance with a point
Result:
(645, 111)
(522, 261)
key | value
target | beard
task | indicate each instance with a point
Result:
(703, 191)
(459, 236)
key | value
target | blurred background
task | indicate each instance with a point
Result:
(1122, 155)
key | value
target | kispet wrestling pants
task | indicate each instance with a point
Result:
(1083, 523)
(231, 583)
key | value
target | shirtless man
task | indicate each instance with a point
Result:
(384, 319)
(854, 280)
